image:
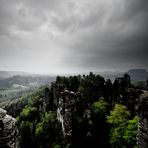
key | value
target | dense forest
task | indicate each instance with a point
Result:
(79, 112)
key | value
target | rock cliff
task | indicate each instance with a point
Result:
(142, 136)
(8, 130)
(66, 111)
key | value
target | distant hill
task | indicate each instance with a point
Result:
(10, 79)
(138, 74)
(135, 74)
(111, 75)
(24, 80)
(8, 74)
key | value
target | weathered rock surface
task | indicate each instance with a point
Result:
(8, 130)
(65, 112)
(142, 137)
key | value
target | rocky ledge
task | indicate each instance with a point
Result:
(65, 112)
(142, 136)
(8, 130)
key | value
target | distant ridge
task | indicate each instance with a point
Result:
(135, 74)
(138, 74)
(8, 74)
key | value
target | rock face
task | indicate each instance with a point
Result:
(65, 112)
(8, 130)
(142, 136)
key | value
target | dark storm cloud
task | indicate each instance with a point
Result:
(122, 41)
(78, 34)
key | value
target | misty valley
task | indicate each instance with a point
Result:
(13, 86)
(78, 111)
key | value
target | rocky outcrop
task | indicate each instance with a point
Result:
(142, 136)
(8, 130)
(65, 112)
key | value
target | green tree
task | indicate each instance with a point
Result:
(25, 129)
(99, 125)
(119, 115)
(48, 132)
(118, 120)
(28, 114)
(27, 121)
(91, 87)
(131, 132)
(140, 84)
(99, 107)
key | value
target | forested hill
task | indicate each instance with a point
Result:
(25, 81)
(136, 74)
(78, 111)
(8, 74)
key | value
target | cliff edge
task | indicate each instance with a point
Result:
(8, 130)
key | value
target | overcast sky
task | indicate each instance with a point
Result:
(73, 36)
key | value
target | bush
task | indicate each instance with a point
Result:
(99, 107)
(123, 131)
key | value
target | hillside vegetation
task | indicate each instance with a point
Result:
(104, 114)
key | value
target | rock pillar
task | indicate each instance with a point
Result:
(142, 136)
(8, 130)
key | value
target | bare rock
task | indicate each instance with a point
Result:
(8, 130)
(142, 136)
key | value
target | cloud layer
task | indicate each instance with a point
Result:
(73, 36)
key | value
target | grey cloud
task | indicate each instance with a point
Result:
(98, 34)
(16, 14)
(126, 10)
(122, 42)
(28, 15)
(43, 5)
(85, 17)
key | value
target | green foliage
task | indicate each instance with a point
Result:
(62, 80)
(28, 114)
(116, 136)
(25, 130)
(91, 87)
(119, 115)
(24, 125)
(48, 130)
(99, 107)
(140, 84)
(56, 146)
(131, 131)
(35, 99)
(123, 131)
(39, 129)
(90, 123)
(49, 117)
(45, 131)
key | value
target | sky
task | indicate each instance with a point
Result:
(73, 36)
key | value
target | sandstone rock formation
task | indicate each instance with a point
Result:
(142, 137)
(8, 130)
(65, 112)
